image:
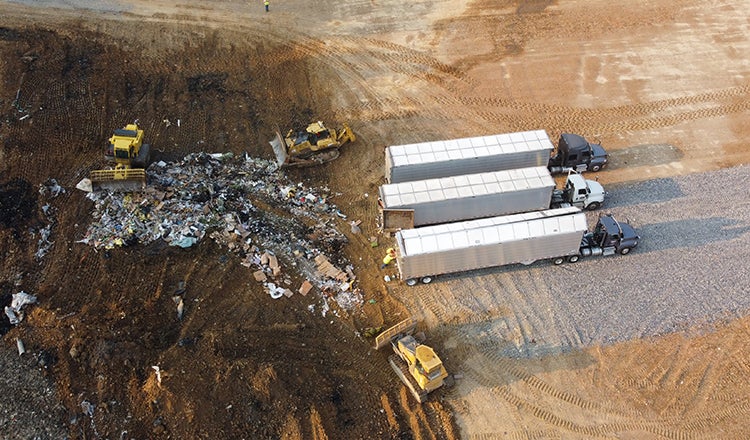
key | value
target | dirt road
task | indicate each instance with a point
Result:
(664, 87)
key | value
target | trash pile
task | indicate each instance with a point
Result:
(243, 204)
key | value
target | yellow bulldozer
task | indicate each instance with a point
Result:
(315, 145)
(130, 157)
(416, 364)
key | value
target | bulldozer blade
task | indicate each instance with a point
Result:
(127, 180)
(119, 185)
(279, 149)
(407, 326)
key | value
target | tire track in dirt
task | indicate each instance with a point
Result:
(431, 100)
(641, 109)
(550, 417)
(486, 362)
(613, 119)
(488, 358)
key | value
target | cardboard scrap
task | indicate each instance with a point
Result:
(259, 276)
(305, 288)
(329, 270)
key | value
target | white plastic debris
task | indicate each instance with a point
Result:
(158, 373)
(21, 347)
(275, 291)
(184, 242)
(88, 408)
(14, 312)
(180, 309)
(54, 188)
(85, 185)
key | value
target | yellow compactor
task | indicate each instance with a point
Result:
(130, 157)
(416, 364)
(315, 145)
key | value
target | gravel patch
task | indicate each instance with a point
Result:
(687, 274)
(689, 271)
(28, 404)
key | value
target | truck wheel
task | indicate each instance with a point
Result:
(593, 206)
(625, 251)
(411, 282)
(596, 168)
(426, 280)
(558, 261)
(573, 258)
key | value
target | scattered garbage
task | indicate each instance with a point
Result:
(275, 291)
(180, 308)
(88, 408)
(20, 300)
(21, 347)
(305, 288)
(158, 374)
(49, 190)
(241, 203)
(355, 226)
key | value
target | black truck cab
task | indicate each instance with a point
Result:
(576, 153)
(611, 237)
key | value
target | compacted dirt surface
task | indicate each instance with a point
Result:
(663, 85)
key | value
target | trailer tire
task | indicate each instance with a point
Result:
(596, 168)
(426, 280)
(573, 258)
(625, 250)
(558, 261)
(411, 282)
(593, 206)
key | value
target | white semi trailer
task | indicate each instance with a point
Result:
(418, 203)
(555, 234)
(429, 160)
(465, 197)
(435, 159)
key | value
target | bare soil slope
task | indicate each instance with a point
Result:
(664, 88)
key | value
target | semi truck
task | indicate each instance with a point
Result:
(558, 235)
(443, 158)
(574, 152)
(418, 203)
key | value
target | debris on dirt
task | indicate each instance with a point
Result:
(14, 312)
(355, 226)
(275, 291)
(49, 190)
(305, 288)
(157, 370)
(20, 346)
(180, 308)
(243, 204)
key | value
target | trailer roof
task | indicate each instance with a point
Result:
(467, 148)
(494, 230)
(405, 194)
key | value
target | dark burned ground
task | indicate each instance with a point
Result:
(239, 364)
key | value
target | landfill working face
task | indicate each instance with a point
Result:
(244, 204)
